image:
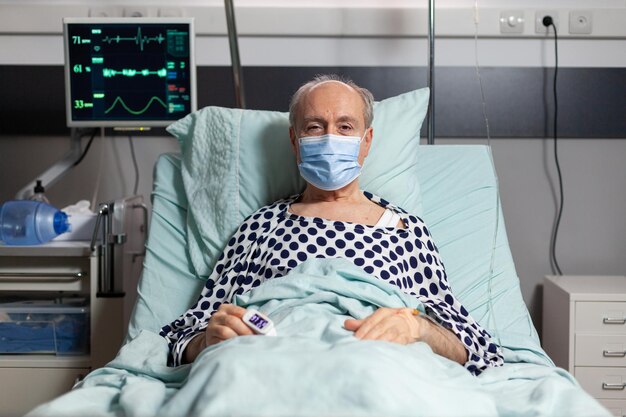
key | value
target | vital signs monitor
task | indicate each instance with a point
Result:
(128, 72)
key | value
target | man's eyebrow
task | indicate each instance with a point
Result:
(313, 119)
(345, 118)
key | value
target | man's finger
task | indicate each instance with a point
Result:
(237, 325)
(352, 324)
(231, 309)
(391, 334)
(221, 332)
(376, 332)
(371, 321)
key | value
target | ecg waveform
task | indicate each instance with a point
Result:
(128, 72)
(138, 39)
(118, 99)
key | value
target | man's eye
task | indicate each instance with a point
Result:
(345, 127)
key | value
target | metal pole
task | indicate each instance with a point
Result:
(234, 54)
(431, 72)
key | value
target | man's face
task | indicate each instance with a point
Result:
(331, 108)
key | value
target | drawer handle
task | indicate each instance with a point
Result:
(42, 276)
(614, 387)
(613, 321)
(614, 353)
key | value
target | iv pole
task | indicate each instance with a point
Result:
(234, 54)
(431, 72)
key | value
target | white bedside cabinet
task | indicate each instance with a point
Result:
(584, 332)
(58, 269)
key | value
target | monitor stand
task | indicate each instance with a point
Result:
(50, 176)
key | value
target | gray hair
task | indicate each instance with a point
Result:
(366, 96)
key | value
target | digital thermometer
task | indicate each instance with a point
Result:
(259, 322)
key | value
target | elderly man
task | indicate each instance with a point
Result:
(331, 135)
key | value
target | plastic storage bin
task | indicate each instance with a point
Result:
(44, 327)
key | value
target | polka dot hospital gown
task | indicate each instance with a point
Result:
(272, 241)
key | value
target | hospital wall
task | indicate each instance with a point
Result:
(516, 74)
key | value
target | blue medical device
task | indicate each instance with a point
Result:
(129, 72)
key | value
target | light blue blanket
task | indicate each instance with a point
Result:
(314, 367)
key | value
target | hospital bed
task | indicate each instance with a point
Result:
(234, 161)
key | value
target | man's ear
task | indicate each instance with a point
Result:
(293, 139)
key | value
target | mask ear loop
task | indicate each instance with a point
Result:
(363, 137)
(364, 159)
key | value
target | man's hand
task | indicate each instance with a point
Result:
(397, 325)
(400, 325)
(224, 324)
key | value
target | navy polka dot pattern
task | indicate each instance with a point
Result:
(272, 241)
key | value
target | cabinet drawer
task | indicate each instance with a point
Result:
(600, 350)
(601, 317)
(25, 388)
(616, 407)
(608, 383)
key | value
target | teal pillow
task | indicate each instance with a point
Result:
(236, 161)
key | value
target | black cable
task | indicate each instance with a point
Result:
(82, 156)
(132, 153)
(548, 22)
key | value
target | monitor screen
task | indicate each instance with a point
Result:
(128, 72)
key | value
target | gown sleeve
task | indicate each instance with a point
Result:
(441, 305)
(216, 291)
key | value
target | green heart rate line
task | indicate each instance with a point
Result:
(118, 99)
(138, 39)
(129, 72)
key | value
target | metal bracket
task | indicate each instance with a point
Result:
(144, 228)
(117, 239)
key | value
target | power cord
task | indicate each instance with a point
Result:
(86, 150)
(132, 152)
(548, 22)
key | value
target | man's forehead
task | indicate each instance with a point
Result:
(331, 82)
(312, 106)
(332, 90)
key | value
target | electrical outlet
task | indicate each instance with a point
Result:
(136, 12)
(580, 22)
(108, 11)
(540, 14)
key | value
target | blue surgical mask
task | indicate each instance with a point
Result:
(329, 162)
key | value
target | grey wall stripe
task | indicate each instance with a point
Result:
(592, 101)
